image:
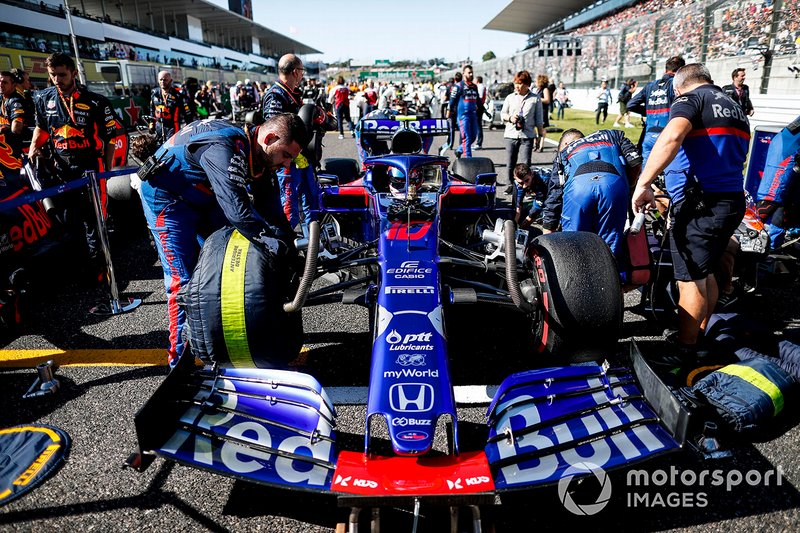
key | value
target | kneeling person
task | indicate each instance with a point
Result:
(592, 177)
(202, 180)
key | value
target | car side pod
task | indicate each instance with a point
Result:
(545, 424)
(271, 427)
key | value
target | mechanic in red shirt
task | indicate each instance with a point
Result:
(340, 98)
(80, 126)
(371, 96)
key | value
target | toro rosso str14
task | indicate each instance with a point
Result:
(409, 239)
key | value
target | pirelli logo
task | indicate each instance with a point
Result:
(37, 465)
(409, 289)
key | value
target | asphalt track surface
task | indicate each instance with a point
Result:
(111, 365)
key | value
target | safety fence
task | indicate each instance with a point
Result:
(90, 179)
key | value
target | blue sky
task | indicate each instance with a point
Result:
(366, 30)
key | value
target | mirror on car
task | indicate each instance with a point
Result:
(486, 179)
(328, 179)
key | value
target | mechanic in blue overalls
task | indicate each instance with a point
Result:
(589, 187)
(778, 197)
(464, 102)
(200, 180)
(654, 103)
(298, 185)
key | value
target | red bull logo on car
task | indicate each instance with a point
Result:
(29, 225)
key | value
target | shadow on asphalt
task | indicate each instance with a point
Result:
(14, 384)
(154, 497)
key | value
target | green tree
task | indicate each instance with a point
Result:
(488, 55)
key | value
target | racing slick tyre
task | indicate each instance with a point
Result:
(469, 168)
(234, 305)
(344, 168)
(579, 315)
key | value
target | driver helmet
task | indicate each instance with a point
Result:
(397, 183)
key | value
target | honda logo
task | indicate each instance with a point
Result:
(411, 397)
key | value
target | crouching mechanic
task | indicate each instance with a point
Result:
(590, 186)
(778, 194)
(201, 180)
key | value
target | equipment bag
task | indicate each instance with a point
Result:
(746, 395)
(234, 306)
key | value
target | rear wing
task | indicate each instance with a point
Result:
(383, 129)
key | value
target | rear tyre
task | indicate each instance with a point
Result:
(344, 168)
(468, 168)
(579, 316)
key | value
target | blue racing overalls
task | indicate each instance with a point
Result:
(204, 185)
(654, 101)
(464, 99)
(779, 185)
(596, 191)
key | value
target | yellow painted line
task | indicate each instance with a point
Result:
(101, 357)
(98, 357)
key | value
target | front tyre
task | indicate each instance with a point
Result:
(579, 315)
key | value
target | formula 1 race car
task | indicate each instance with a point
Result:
(410, 239)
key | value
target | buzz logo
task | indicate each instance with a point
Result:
(402, 422)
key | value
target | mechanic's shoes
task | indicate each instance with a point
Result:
(678, 354)
(726, 301)
(443, 150)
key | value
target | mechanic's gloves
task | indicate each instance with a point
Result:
(275, 246)
(765, 209)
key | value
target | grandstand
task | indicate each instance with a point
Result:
(619, 39)
(175, 33)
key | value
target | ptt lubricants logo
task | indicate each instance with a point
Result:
(69, 138)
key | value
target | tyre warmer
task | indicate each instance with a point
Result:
(234, 306)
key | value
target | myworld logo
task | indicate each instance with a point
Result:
(582, 470)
